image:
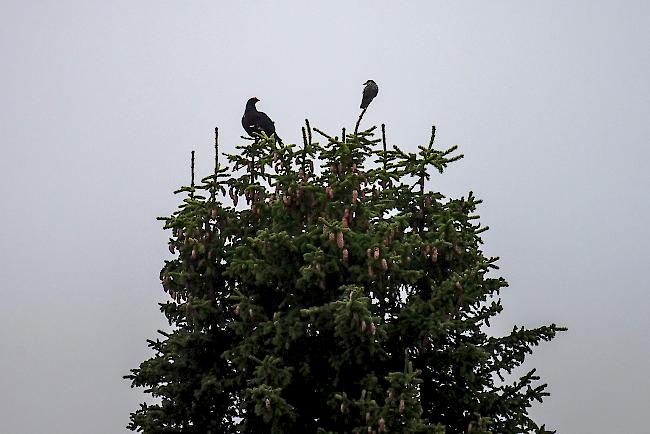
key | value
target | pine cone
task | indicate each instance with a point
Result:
(286, 200)
(339, 240)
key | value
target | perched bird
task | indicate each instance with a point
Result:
(255, 121)
(369, 93)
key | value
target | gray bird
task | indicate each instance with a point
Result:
(369, 93)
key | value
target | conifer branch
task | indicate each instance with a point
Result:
(304, 136)
(215, 181)
(323, 134)
(383, 141)
(308, 131)
(356, 127)
(192, 170)
(304, 149)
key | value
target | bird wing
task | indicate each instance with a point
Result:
(250, 122)
(369, 93)
(265, 123)
(256, 122)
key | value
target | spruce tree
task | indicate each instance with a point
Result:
(326, 288)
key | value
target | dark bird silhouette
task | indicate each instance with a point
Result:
(369, 93)
(255, 121)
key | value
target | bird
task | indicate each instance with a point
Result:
(369, 93)
(255, 121)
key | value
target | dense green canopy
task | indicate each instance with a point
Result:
(345, 296)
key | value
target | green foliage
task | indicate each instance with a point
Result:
(344, 297)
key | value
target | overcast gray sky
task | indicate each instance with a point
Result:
(102, 102)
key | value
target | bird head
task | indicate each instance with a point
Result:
(250, 104)
(369, 82)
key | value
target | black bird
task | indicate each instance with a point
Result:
(369, 93)
(255, 121)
